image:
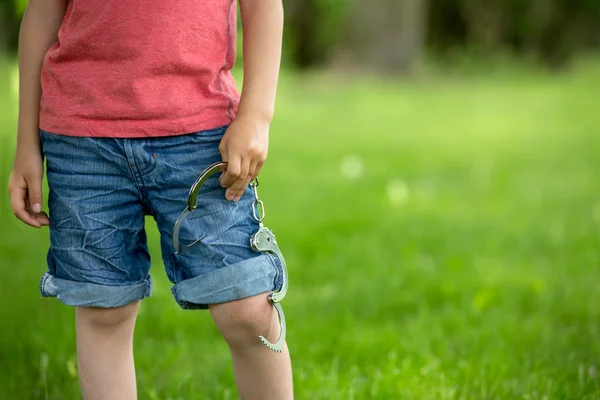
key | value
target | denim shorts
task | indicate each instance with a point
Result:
(101, 190)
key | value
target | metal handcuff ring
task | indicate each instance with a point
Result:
(262, 241)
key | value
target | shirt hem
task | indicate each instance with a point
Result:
(131, 129)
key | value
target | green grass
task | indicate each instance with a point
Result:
(462, 263)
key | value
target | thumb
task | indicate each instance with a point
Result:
(224, 157)
(224, 150)
(34, 191)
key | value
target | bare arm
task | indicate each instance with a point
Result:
(39, 31)
(262, 21)
(245, 144)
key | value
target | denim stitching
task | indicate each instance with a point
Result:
(152, 164)
(133, 169)
(42, 284)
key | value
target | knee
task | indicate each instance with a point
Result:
(107, 318)
(242, 322)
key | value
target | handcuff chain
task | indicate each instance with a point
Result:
(258, 207)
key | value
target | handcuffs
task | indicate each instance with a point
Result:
(262, 241)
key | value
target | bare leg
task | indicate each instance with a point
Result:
(259, 372)
(105, 352)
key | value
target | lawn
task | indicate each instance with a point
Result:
(442, 235)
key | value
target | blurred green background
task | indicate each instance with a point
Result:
(433, 183)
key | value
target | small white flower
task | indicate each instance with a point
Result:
(352, 167)
(398, 192)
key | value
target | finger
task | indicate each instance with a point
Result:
(259, 168)
(17, 202)
(252, 174)
(233, 191)
(41, 217)
(234, 167)
(225, 158)
(34, 192)
(240, 192)
(35, 201)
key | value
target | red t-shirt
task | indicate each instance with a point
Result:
(139, 68)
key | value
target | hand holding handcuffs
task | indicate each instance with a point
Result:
(262, 241)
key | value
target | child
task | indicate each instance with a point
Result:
(128, 101)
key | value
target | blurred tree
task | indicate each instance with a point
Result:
(390, 35)
(566, 27)
(312, 28)
(384, 35)
(9, 24)
(447, 25)
(551, 30)
(303, 25)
